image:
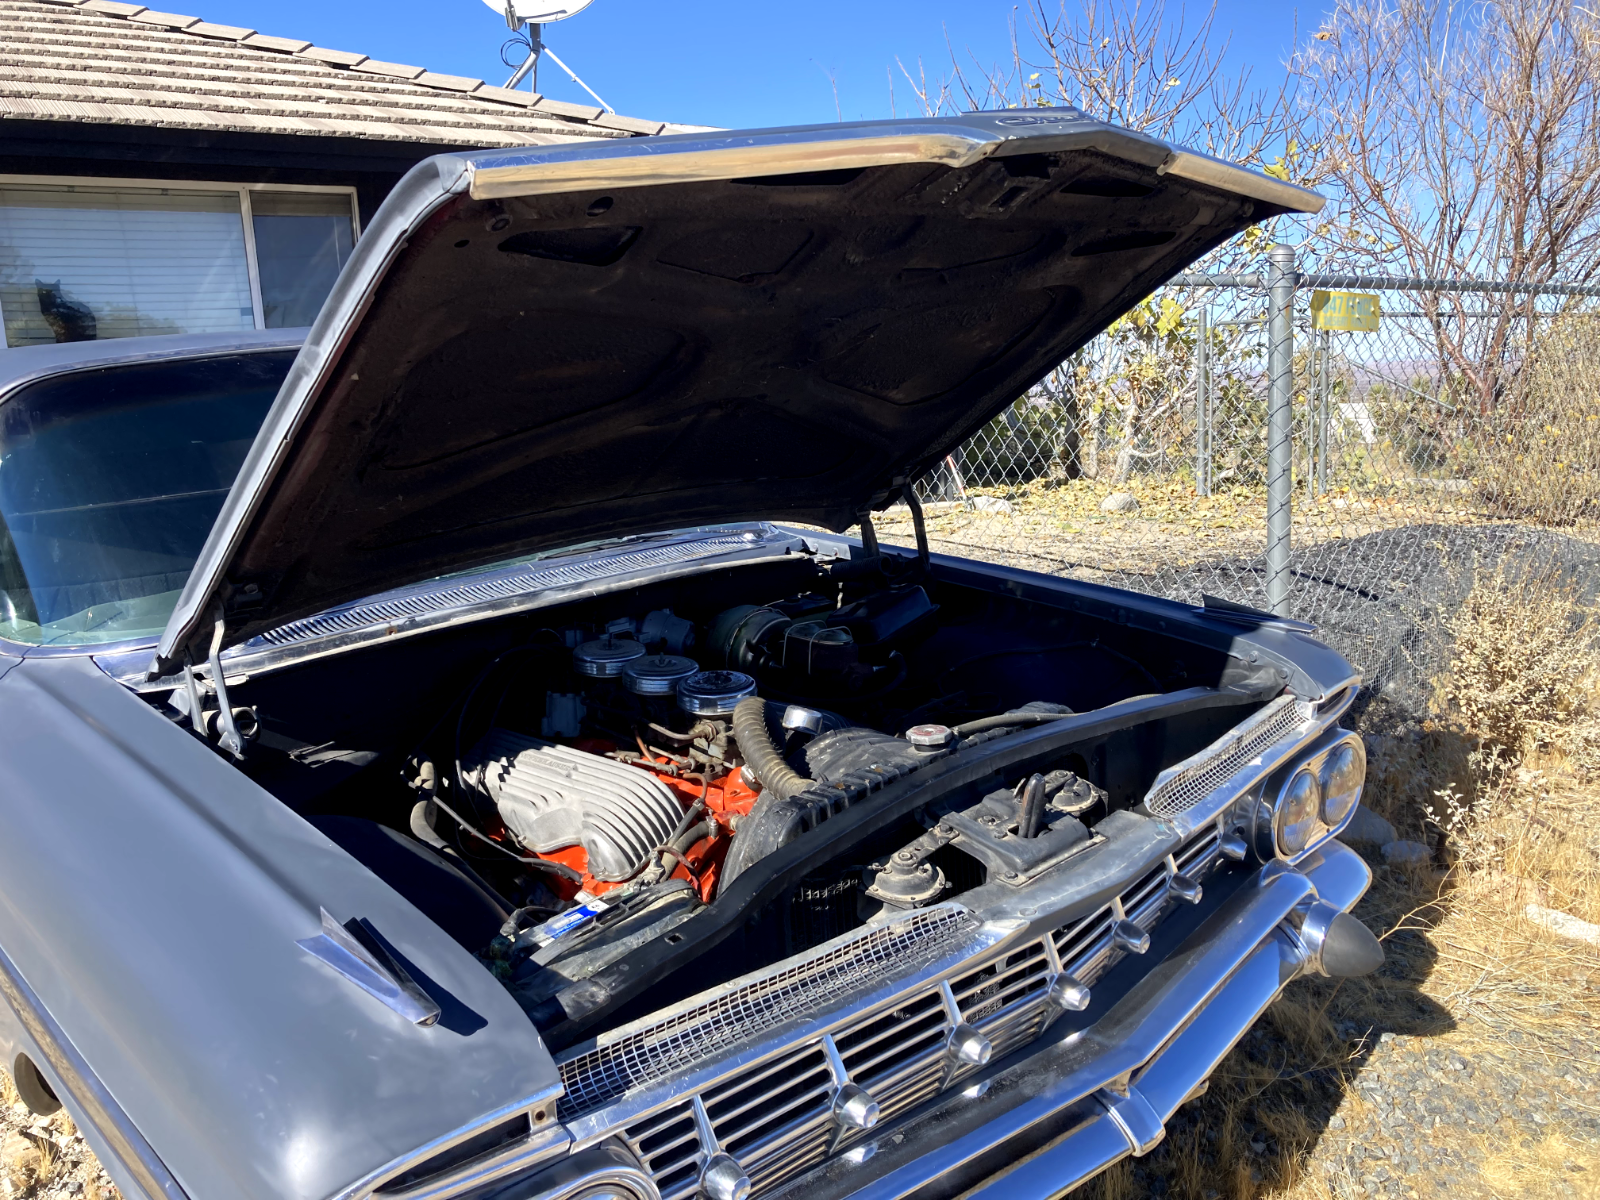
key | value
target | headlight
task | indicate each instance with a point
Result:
(1294, 819)
(1343, 774)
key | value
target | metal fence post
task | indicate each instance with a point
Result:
(1281, 281)
(1308, 432)
(1324, 393)
(1202, 404)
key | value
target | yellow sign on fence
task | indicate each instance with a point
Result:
(1344, 310)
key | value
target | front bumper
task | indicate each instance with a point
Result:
(1062, 1114)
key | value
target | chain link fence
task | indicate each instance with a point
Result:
(1216, 441)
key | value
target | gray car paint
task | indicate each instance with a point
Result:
(152, 897)
(22, 365)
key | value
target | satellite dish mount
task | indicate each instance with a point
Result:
(527, 19)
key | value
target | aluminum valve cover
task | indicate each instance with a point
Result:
(553, 796)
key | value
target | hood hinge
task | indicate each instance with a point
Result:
(228, 729)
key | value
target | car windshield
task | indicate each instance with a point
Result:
(110, 480)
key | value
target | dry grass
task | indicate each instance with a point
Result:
(45, 1158)
(1173, 527)
(1469, 979)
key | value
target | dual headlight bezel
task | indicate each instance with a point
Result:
(1306, 801)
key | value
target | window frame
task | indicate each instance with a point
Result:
(246, 213)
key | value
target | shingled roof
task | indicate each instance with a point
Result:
(102, 62)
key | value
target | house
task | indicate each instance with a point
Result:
(160, 173)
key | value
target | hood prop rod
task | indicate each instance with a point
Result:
(917, 524)
(869, 535)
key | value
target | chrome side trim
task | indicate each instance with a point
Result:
(91, 1099)
(1202, 168)
(593, 1168)
(479, 1172)
(662, 164)
(547, 1140)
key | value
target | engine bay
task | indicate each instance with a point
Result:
(655, 779)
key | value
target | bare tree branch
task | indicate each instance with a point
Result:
(1458, 138)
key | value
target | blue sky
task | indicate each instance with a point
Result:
(713, 62)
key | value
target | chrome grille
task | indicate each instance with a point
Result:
(1200, 853)
(414, 602)
(661, 1048)
(1005, 998)
(1180, 788)
(668, 1146)
(1085, 948)
(770, 1111)
(775, 1116)
(898, 1056)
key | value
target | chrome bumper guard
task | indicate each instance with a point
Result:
(1061, 1115)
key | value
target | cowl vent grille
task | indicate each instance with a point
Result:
(411, 603)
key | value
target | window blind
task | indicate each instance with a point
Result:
(80, 263)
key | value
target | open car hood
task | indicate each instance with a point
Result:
(535, 348)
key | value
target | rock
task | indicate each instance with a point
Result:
(981, 503)
(1564, 924)
(1368, 827)
(1395, 853)
(1334, 1122)
(19, 1154)
(1120, 502)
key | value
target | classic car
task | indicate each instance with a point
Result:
(462, 749)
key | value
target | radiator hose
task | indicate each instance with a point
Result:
(778, 779)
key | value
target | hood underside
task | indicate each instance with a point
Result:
(536, 349)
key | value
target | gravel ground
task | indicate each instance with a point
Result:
(1415, 1096)
(46, 1157)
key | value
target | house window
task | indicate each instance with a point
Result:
(81, 261)
(303, 240)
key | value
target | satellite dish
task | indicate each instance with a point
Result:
(537, 12)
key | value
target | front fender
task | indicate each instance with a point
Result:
(150, 899)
